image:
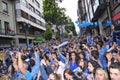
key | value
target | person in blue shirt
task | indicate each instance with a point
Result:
(61, 56)
(114, 36)
(83, 65)
(102, 50)
(22, 66)
(89, 40)
(73, 61)
(35, 68)
(109, 40)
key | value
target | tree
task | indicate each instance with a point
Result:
(48, 33)
(69, 26)
(38, 39)
(57, 35)
(66, 35)
(53, 13)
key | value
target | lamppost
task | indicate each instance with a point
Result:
(26, 28)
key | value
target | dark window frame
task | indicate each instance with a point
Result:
(37, 3)
(6, 25)
(6, 8)
(31, 8)
(0, 26)
(37, 12)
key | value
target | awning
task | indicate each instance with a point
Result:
(116, 16)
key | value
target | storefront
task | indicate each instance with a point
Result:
(116, 20)
(6, 42)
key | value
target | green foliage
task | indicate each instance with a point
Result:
(66, 35)
(52, 12)
(57, 35)
(56, 15)
(70, 27)
(48, 33)
(38, 39)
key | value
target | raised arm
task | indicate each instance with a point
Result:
(20, 64)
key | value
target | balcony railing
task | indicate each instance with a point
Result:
(32, 19)
(28, 34)
(6, 32)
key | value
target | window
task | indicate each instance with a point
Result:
(38, 22)
(37, 3)
(31, 8)
(24, 14)
(0, 27)
(6, 27)
(4, 7)
(32, 19)
(24, 3)
(37, 12)
(0, 24)
(27, 5)
(18, 12)
(21, 28)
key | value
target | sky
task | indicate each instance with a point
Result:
(71, 9)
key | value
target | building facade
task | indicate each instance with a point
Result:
(107, 10)
(115, 11)
(7, 23)
(81, 13)
(81, 10)
(29, 20)
(101, 11)
(100, 15)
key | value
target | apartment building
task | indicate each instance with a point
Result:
(101, 11)
(85, 13)
(29, 20)
(115, 11)
(107, 10)
(7, 23)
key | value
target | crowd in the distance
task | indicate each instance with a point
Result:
(76, 58)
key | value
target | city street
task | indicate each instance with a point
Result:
(59, 39)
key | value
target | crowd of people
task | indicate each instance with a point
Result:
(76, 58)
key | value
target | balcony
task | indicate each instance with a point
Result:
(26, 29)
(25, 17)
(7, 33)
